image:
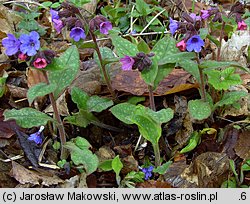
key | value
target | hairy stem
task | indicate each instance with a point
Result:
(202, 84)
(102, 65)
(221, 36)
(151, 98)
(157, 155)
(60, 126)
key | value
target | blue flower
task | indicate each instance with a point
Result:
(194, 43)
(36, 137)
(77, 33)
(54, 14)
(147, 172)
(105, 27)
(30, 43)
(173, 26)
(11, 44)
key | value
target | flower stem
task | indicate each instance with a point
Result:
(60, 126)
(221, 36)
(202, 82)
(157, 155)
(151, 98)
(102, 65)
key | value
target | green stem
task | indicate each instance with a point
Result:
(102, 65)
(60, 126)
(221, 36)
(202, 84)
(151, 98)
(157, 155)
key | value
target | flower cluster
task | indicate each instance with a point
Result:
(26, 47)
(191, 24)
(236, 11)
(37, 136)
(141, 61)
(190, 27)
(68, 17)
(27, 44)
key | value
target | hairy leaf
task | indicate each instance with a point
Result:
(40, 89)
(27, 117)
(199, 109)
(69, 64)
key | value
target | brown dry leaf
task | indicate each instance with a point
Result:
(34, 77)
(153, 184)
(91, 6)
(129, 164)
(6, 127)
(208, 170)
(17, 92)
(61, 105)
(230, 138)
(242, 147)
(8, 21)
(244, 104)
(105, 153)
(131, 82)
(173, 175)
(24, 176)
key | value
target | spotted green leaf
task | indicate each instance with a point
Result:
(123, 112)
(222, 80)
(82, 156)
(123, 47)
(149, 75)
(164, 47)
(163, 168)
(98, 104)
(27, 117)
(70, 63)
(79, 97)
(163, 71)
(199, 109)
(117, 167)
(2, 83)
(176, 57)
(230, 98)
(161, 116)
(82, 118)
(191, 67)
(149, 129)
(212, 64)
(40, 89)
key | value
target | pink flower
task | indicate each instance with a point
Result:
(127, 63)
(40, 63)
(22, 56)
(181, 45)
(242, 25)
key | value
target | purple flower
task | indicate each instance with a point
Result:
(30, 43)
(194, 17)
(127, 63)
(36, 137)
(194, 43)
(105, 27)
(54, 14)
(147, 172)
(58, 24)
(173, 26)
(11, 44)
(242, 25)
(205, 14)
(77, 33)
